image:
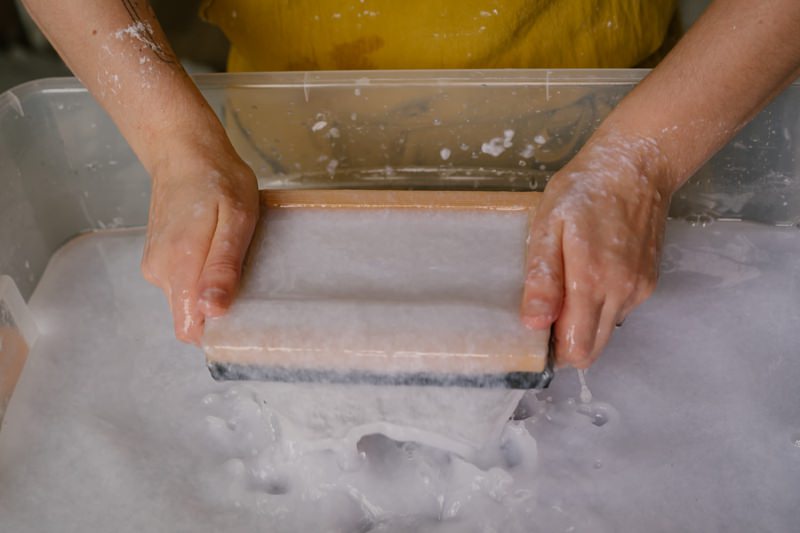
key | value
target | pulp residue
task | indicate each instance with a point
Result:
(116, 426)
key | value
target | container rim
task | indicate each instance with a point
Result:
(349, 78)
(11, 98)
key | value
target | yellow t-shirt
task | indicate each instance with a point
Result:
(277, 35)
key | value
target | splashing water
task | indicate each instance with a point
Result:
(586, 394)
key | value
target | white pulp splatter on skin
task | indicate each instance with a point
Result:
(186, 304)
(607, 164)
(571, 335)
(137, 30)
(199, 210)
(538, 268)
(141, 31)
(319, 125)
(444, 153)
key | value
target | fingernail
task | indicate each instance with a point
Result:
(213, 297)
(537, 322)
(537, 307)
(537, 314)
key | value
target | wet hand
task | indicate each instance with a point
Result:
(594, 245)
(203, 211)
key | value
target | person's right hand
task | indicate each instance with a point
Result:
(203, 211)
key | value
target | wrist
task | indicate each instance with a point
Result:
(198, 137)
(173, 119)
(647, 154)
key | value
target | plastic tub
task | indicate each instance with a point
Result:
(64, 168)
(693, 443)
(17, 335)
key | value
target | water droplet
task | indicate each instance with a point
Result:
(597, 415)
(599, 418)
(598, 465)
(586, 394)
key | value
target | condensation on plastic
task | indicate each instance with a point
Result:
(64, 168)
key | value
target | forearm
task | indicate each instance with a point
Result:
(738, 56)
(118, 50)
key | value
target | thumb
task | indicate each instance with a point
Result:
(219, 279)
(543, 292)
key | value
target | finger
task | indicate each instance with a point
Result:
(187, 319)
(543, 291)
(576, 328)
(610, 316)
(173, 263)
(220, 276)
(642, 290)
(184, 263)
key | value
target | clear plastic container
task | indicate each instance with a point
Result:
(64, 168)
(17, 335)
(685, 419)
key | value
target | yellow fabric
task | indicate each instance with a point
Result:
(277, 35)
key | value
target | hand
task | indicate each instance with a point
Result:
(203, 212)
(594, 244)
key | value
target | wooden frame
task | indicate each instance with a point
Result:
(389, 199)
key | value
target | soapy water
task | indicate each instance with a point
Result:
(116, 426)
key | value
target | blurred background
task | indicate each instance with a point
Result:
(26, 55)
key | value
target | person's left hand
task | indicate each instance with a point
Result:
(594, 244)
